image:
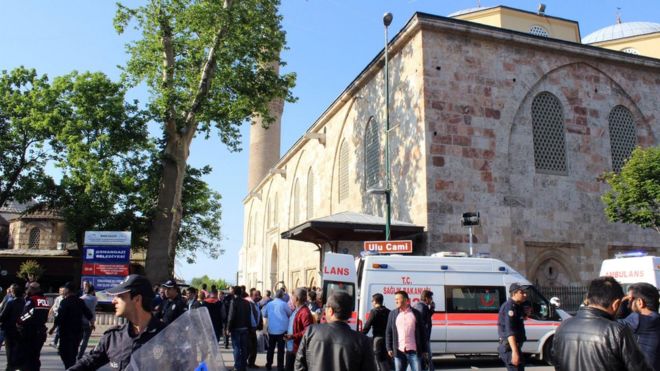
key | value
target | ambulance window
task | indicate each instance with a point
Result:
(474, 299)
(330, 287)
(536, 305)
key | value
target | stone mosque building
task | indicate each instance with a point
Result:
(497, 110)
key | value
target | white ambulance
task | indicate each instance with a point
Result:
(468, 293)
(632, 268)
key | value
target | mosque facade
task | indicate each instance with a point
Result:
(494, 110)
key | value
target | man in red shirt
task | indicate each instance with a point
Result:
(302, 318)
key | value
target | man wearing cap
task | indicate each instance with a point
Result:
(132, 300)
(511, 328)
(32, 326)
(174, 306)
(69, 321)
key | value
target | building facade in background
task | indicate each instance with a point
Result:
(495, 110)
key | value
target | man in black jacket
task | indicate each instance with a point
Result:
(239, 322)
(69, 321)
(11, 312)
(593, 340)
(426, 307)
(32, 326)
(174, 306)
(644, 321)
(334, 345)
(377, 322)
(405, 336)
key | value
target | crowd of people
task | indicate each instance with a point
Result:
(612, 331)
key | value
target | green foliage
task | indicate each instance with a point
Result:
(30, 268)
(635, 194)
(29, 112)
(240, 40)
(219, 283)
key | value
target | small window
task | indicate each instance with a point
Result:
(343, 172)
(35, 236)
(296, 203)
(622, 136)
(371, 153)
(539, 31)
(310, 194)
(474, 299)
(548, 134)
(330, 287)
(630, 51)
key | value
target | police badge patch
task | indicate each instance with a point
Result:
(511, 313)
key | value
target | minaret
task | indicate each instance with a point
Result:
(265, 143)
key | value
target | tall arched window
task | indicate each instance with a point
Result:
(548, 135)
(371, 153)
(35, 236)
(623, 136)
(310, 194)
(296, 202)
(343, 172)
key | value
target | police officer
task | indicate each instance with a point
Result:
(32, 326)
(174, 306)
(511, 328)
(132, 300)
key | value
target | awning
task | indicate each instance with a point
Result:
(350, 226)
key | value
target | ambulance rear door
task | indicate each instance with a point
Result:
(339, 274)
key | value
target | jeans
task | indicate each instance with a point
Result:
(273, 341)
(290, 360)
(252, 347)
(402, 360)
(239, 340)
(87, 332)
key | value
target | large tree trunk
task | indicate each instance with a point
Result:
(167, 219)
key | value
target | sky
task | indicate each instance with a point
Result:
(329, 41)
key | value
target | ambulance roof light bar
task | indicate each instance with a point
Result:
(630, 254)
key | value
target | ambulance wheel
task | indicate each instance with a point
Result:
(547, 350)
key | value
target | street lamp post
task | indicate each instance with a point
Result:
(387, 20)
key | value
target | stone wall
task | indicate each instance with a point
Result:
(478, 93)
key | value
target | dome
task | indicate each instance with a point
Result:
(620, 31)
(469, 10)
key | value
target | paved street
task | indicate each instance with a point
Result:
(50, 361)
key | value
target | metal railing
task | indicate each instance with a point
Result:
(571, 296)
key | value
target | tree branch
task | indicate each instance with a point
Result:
(205, 81)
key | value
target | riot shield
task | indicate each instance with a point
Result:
(187, 344)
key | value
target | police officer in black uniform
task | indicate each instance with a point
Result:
(132, 300)
(174, 306)
(511, 328)
(32, 327)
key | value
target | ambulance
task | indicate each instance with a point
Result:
(467, 292)
(629, 268)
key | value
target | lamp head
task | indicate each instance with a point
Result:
(387, 19)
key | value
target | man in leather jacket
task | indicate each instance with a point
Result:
(334, 345)
(593, 340)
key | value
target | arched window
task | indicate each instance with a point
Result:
(539, 31)
(310, 194)
(548, 134)
(630, 51)
(35, 236)
(296, 202)
(623, 136)
(343, 171)
(371, 153)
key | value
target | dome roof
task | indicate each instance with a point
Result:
(469, 10)
(620, 31)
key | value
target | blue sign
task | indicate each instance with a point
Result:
(102, 283)
(106, 254)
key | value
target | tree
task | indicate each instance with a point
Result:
(208, 64)
(29, 111)
(30, 268)
(635, 194)
(219, 283)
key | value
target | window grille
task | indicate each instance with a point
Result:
(622, 136)
(343, 172)
(296, 203)
(371, 153)
(35, 236)
(539, 31)
(630, 51)
(310, 194)
(548, 134)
